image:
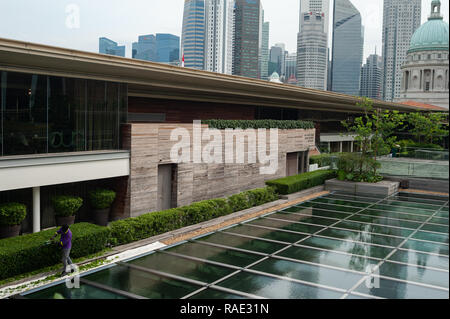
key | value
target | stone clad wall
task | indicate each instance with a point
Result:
(150, 146)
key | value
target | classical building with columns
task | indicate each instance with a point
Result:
(425, 72)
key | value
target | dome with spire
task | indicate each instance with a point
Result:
(432, 35)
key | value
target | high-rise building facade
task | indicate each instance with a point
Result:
(167, 48)
(145, 48)
(347, 49)
(193, 34)
(312, 44)
(401, 18)
(276, 60)
(290, 71)
(219, 29)
(312, 52)
(371, 77)
(247, 38)
(265, 53)
(107, 46)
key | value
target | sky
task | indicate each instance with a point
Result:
(54, 22)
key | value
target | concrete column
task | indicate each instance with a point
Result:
(36, 209)
(351, 146)
(340, 147)
(329, 147)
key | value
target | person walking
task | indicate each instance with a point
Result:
(66, 245)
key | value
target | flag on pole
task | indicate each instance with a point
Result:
(182, 62)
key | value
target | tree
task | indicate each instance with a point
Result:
(429, 126)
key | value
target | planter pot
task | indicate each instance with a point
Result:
(101, 216)
(64, 220)
(10, 231)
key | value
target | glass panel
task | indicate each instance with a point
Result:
(310, 273)
(438, 220)
(67, 115)
(354, 198)
(384, 230)
(142, 283)
(340, 202)
(385, 221)
(442, 214)
(243, 243)
(84, 292)
(416, 274)
(362, 237)
(331, 207)
(276, 288)
(304, 219)
(411, 210)
(329, 258)
(191, 269)
(426, 247)
(399, 290)
(211, 293)
(302, 228)
(226, 256)
(440, 238)
(422, 259)
(435, 228)
(424, 196)
(25, 114)
(418, 200)
(380, 213)
(348, 247)
(409, 204)
(374, 196)
(316, 212)
(266, 233)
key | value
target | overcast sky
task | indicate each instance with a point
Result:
(46, 21)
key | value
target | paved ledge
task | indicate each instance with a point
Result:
(424, 184)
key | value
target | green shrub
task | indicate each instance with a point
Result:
(66, 205)
(101, 198)
(323, 159)
(293, 184)
(26, 253)
(12, 214)
(255, 124)
(152, 224)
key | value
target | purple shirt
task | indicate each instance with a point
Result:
(66, 238)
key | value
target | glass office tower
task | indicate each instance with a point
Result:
(193, 35)
(348, 42)
(145, 48)
(107, 46)
(168, 48)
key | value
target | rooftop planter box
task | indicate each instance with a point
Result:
(381, 188)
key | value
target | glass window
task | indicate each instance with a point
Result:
(24, 113)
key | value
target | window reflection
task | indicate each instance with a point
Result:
(44, 114)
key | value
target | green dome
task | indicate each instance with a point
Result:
(431, 36)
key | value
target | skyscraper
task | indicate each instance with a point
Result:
(193, 34)
(219, 25)
(371, 77)
(401, 18)
(290, 73)
(264, 64)
(276, 60)
(348, 43)
(247, 38)
(167, 48)
(107, 46)
(312, 52)
(312, 44)
(145, 48)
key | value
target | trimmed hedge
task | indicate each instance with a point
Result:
(323, 159)
(133, 229)
(101, 198)
(255, 124)
(26, 253)
(66, 205)
(293, 184)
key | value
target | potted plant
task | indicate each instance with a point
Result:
(101, 201)
(65, 209)
(11, 217)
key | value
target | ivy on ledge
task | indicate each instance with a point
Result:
(256, 124)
